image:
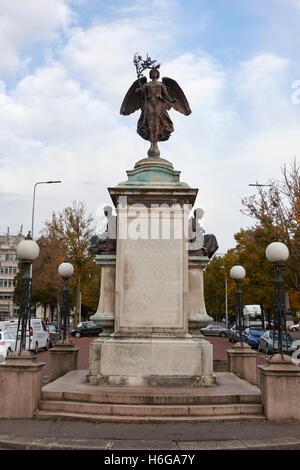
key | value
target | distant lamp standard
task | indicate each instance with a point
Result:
(278, 253)
(33, 201)
(237, 273)
(65, 270)
(27, 251)
(226, 299)
(226, 295)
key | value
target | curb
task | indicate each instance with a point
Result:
(19, 443)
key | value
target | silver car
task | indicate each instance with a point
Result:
(215, 330)
(294, 327)
(269, 344)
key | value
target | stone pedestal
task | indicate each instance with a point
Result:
(20, 385)
(105, 315)
(280, 388)
(198, 317)
(63, 359)
(151, 343)
(242, 362)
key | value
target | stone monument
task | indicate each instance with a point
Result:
(152, 273)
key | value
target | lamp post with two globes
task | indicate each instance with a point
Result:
(27, 251)
(65, 270)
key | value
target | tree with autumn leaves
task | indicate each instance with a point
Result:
(71, 231)
(67, 234)
(276, 212)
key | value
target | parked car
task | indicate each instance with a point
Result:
(269, 344)
(234, 334)
(37, 338)
(52, 334)
(87, 329)
(215, 330)
(56, 325)
(84, 323)
(253, 336)
(7, 344)
(295, 327)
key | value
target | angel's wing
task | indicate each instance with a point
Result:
(181, 104)
(132, 101)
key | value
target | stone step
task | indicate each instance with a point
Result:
(145, 419)
(151, 398)
(150, 410)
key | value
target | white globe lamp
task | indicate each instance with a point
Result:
(237, 272)
(28, 250)
(66, 270)
(277, 252)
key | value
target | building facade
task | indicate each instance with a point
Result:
(8, 270)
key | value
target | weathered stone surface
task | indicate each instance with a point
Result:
(63, 359)
(20, 385)
(242, 362)
(280, 388)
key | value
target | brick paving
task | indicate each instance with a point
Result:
(220, 346)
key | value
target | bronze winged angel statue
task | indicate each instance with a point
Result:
(154, 99)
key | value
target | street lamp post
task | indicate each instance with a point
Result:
(226, 295)
(226, 300)
(27, 251)
(237, 273)
(65, 270)
(33, 201)
(278, 253)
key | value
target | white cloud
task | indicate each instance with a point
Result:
(23, 23)
(262, 85)
(293, 3)
(102, 56)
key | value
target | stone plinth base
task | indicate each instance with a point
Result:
(242, 362)
(105, 315)
(63, 359)
(162, 361)
(20, 385)
(280, 388)
(94, 360)
(198, 317)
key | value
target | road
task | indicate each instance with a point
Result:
(220, 346)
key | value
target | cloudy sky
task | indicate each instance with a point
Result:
(66, 65)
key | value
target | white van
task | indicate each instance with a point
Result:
(38, 338)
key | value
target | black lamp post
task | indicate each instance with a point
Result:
(277, 252)
(27, 251)
(237, 273)
(65, 270)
